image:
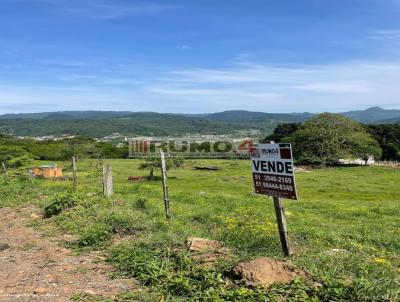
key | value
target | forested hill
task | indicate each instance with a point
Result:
(103, 123)
(99, 125)
(374, 115)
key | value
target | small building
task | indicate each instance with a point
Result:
(48, 171)
(358, 161)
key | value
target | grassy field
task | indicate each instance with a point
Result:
(354, 210)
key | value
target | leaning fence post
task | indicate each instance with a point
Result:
(4, 169)
(107, 181)
(74, 175)
(165, 185)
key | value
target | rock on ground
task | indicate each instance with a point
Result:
(4, 246)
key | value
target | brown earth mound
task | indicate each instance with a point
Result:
(265, 271)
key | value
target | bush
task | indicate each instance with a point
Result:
(94, 235)
(60, 203)
(15, 157)
(140, 203)
(154, 163)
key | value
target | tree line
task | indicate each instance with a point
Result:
(329, 137)
(322, 140)
(17, 152)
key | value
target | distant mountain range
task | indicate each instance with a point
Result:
(103, 123)
(374, 115)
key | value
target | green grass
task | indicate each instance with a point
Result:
(356, 209)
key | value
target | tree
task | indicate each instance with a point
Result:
(282, 131)
(153, 163)
(329, 137)
(388, 137)
(80, 147)
(15, 157)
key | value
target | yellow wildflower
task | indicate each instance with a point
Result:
(382, 261)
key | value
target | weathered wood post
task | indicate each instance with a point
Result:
(74, 174)
(282, 226)
(107, 181)
(4, 169)
(165, 185)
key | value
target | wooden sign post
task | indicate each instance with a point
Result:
(165, 185)
(273, 175)
(282, 226)
(107, 181)
(74, 174)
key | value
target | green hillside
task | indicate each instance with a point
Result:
(132, 124)
(373, 115)
(103, 123)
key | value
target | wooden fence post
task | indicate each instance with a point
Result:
(74, 175)
(107, 181)
(165, 185)
(4, 169)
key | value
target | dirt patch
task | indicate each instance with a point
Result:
(138, 178)
(265, 271)
(302, 169)
(207, 252)
(35, 268)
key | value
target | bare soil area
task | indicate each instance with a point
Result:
(34, 267)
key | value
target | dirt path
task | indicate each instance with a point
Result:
(36, 268)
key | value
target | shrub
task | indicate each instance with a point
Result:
(15, 157)
(140, 203)
(154, 163)
(94, 235)
(61, 202)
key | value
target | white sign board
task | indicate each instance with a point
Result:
(273, 170)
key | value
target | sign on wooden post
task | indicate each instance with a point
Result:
(165, 185)
(107, 181)
(273, 175)
(74, 174)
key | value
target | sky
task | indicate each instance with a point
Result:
(198, 56)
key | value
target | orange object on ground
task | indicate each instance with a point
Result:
(48, 171)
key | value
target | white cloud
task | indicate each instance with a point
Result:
(386, 35)
(262, 87)
(103, 9)
(335, 87)
(185, 47)
(225, 95)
